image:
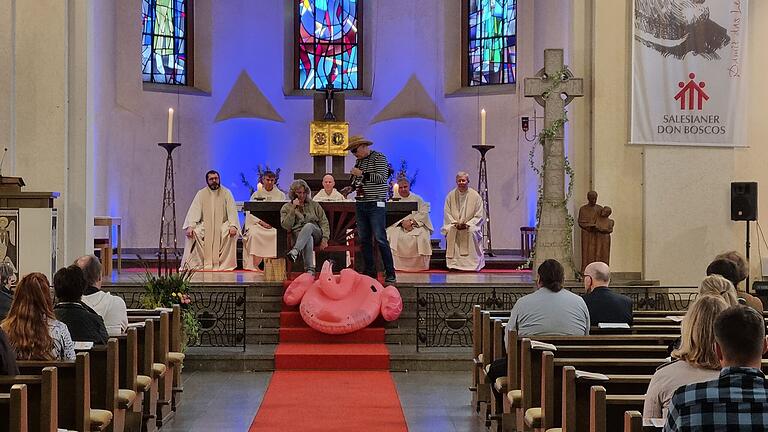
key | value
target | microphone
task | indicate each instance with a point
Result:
(5, 152)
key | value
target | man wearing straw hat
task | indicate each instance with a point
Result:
(369, 179)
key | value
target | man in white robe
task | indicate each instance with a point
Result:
(211, 228)
(259, 238)
(462, 221)
(328, 192)
(409, 237)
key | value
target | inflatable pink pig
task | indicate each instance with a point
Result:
(344, 303)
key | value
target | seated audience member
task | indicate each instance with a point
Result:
(32, 328)
(84, 324)
(550, 310)
(328, 193)
(7, 356)
(716, 285)
(694, 361)
(605, 306)
(738, 399)
(736, 274)
(110, 307)
(7, 278)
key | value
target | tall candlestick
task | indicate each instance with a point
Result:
(395, 190)
(482, 126)
(170, 125)
(259, 186)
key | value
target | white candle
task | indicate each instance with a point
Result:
(170, 125)
(482, 126)
(259, 186)
(395, 189)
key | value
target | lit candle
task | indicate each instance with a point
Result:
(482, 126)
(259, 186)
(395, 189)
(170, 125)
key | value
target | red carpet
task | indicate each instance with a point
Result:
(329, 382)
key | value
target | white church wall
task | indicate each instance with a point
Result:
(249, 36)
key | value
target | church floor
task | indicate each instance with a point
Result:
(228, 401)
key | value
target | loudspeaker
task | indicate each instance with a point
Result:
(743, 201)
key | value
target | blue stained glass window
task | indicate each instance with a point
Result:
(327, 34)
(164, 56)
(492, 42)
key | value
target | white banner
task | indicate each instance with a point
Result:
(689, 72)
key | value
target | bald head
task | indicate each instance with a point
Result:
(596, 274)
(91, 267)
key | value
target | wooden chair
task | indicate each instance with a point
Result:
(104, 246)
(13, 407)
(527, 240)
(42, 398)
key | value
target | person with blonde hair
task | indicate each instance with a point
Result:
(695, 360)
(32, 329)
(716, 285)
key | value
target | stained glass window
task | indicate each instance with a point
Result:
(492, 42)
(327, 51)
(164, 41)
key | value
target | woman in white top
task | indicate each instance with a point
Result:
(695, 360)
(31, 326)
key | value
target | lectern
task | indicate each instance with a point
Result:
(27, 228)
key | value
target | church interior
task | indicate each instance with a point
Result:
(585, 131)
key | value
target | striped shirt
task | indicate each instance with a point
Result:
(737, 401)
(374, 179)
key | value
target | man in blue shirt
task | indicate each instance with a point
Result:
(738, 400)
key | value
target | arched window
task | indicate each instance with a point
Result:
(327, 51)
(491, 41)
(165, 45)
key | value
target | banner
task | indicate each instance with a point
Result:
(689, 72)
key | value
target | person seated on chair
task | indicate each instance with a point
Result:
(211, 227)
(7, 278)
(260, 238)
(605, 306)
(328, 192)
(7, 356)
(409, 238)
(736, 273)
(462, 227)
(110, 307)
(84, 324)
(307, 221)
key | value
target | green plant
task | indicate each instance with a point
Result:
(168, 290)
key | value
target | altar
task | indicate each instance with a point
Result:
(341, 220)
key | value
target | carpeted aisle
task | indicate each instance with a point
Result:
(329, 382)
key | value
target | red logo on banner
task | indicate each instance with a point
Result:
(691, 94)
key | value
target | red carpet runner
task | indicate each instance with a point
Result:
(329, 382)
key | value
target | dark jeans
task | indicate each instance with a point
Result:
(372, 225)
(497, 370)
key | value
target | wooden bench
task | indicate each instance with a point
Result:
(42, 398)
(13, 408)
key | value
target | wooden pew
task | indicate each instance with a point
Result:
(633, 421)
(75, 411)
(13, 408)
(162, 367)
(42, 398)
(147, 380)
(128, 378)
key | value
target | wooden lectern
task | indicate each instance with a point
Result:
(27, 228)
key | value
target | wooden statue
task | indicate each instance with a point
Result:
(604, 227)
(588, 215)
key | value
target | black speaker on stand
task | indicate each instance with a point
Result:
(744, 208)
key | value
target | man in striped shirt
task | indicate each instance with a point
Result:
(369, 178)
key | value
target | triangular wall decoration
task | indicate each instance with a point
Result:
(413, 101)
(245, 100)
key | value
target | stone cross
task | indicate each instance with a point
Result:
(552, 233)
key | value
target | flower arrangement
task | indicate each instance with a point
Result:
(167, 290)
(260, 175)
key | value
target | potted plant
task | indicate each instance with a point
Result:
(167, 290)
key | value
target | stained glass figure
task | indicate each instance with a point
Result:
(492, 53)
(164, 41)
(327, 34)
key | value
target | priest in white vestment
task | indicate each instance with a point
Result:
(328, 192)
(462, 223)
(259, 237)
(409, 237)
(211, 228)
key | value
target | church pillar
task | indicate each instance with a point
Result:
(50, 115)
